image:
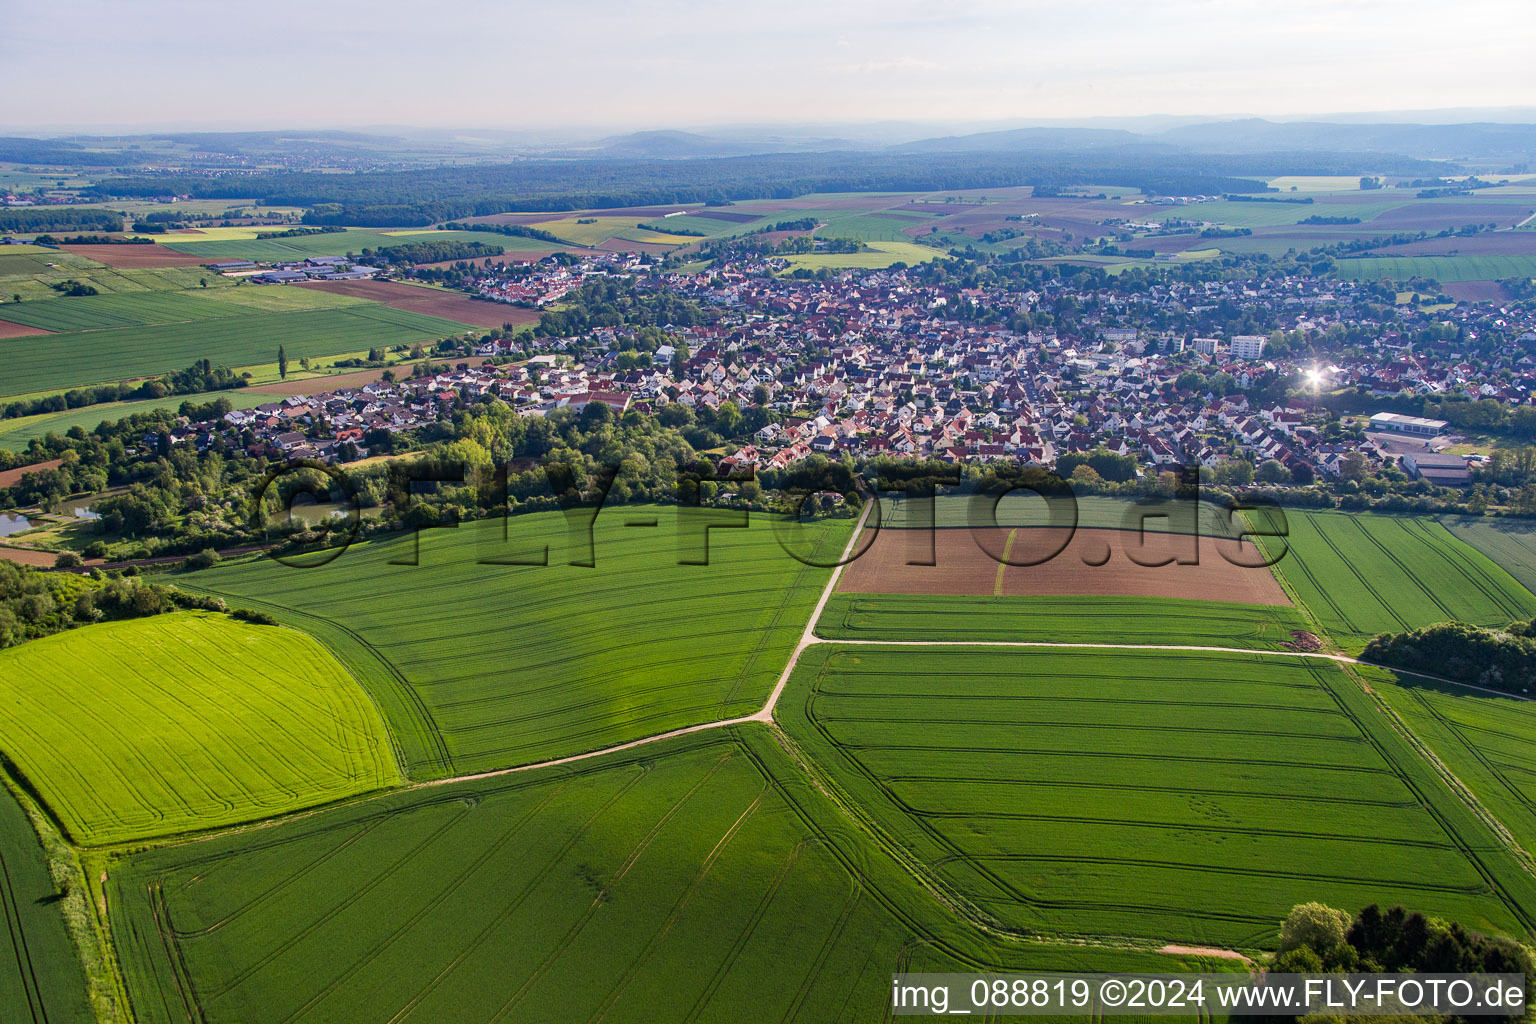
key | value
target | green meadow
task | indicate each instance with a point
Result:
(298, 247)
(17, 433)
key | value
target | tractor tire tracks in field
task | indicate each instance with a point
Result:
(765, 715)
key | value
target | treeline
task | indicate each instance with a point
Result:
(432, 195)
(666, 229)
(1320, 219)
(59, 218)
(428, 252)
(1485, 414)
(510, 230)
(327, 229)
(196, 379)
(1269, 199)
(58, 153)
(35, 604)
(1499, 659)
(802, 244)
(1315, 938)
(91, 240)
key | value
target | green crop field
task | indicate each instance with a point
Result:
(1059, 619)
(1359, 575)
(40, 977)
(16, 433)
(701, 881)
(37, 285)
(93, 312)
(1268, 215)
(1488, 741)
(39, 261)
(185, 721)
(869, 227)
(482, 666)
(880, 255)
(1114, 793)
(55, 361)
(283, 299)
(1445, 269)
(1511, 543)
(298, 247)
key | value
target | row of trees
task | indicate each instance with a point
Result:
(202, 376)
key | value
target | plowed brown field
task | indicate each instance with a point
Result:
(1091, 561)
(431, 301)
(128, 256)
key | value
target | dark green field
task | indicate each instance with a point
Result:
(40, 977)
(702, 880)
(1071, 619)
(1359, 575)
(1511, 543)
(1170, 796)
(130, 309)
(482, 666)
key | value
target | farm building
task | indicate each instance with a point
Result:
(280, 277)
(1415, 426)
(1443, 469)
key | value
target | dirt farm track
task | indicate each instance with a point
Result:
(1090, 561)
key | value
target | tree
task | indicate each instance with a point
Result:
(203, 282)
(728, 419)
(282, 362)
(68, 560)
(1315, 926)
(204, 559)
(1235, 472)
(1272, 471)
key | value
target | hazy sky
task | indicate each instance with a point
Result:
(662, 63)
